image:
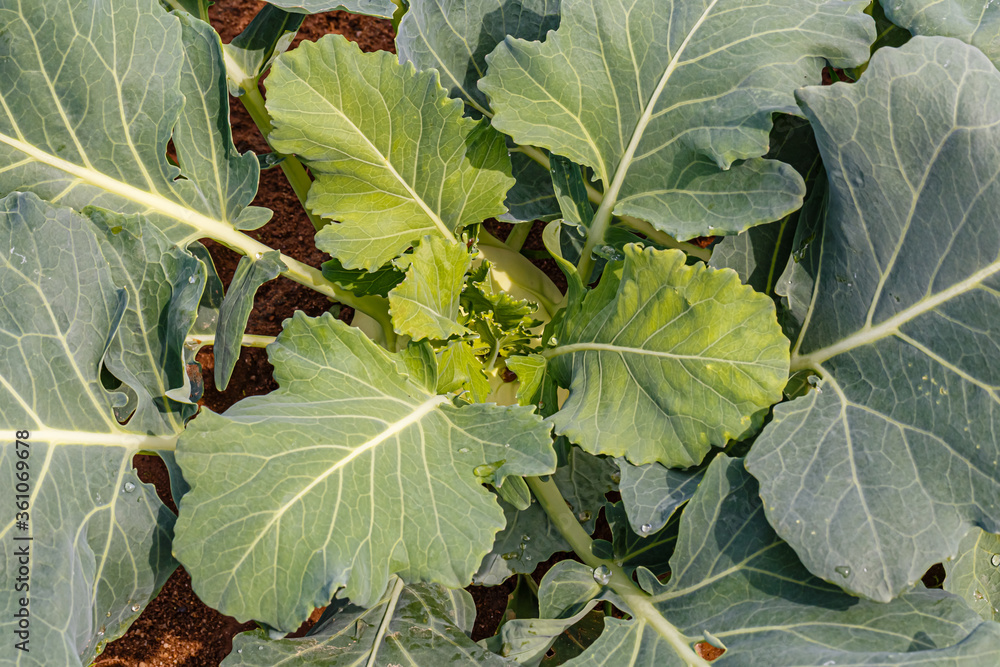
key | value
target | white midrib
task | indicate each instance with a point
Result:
(868, 335)
(619, 349)
(602, 218)
(395, 428)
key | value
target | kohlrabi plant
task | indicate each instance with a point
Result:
(783, 431)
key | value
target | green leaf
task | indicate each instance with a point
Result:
(536, 387)
(234, 313)
(975, 576)
(252, 52)
(975, 22)
(360, 281)
(425, 304)
(110, 107)
(531, 197)
(378, 8)
(455, 37)
(100, 546)
(459, 369)
(661, 98)
(526, 641)
(903, 290)
(393, 158)
(736, 582)
(417, 625)
(665, 360)
(346, 474)
(571, 191)
(652, 493)
(648, 549)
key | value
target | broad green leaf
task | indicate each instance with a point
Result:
(100, 546)
(665, 360)
(661, 97)
(252, 52)
(455, 36)
(736, 582)
(652, 493)
(416, 625)
(571, 191)
(234, 312)
(86, 121)
(975, 22)
(345, 475)
(393, 158)
(631, 549)
(425, 304)
(360, 281)
(903, 286)
(975, 574)
(536, 387)
(378, 8)
(526, 641)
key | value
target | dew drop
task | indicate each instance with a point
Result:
(136, 607)
(977, 595)
(260, 648)
(100, 631)
(192, 279)
(527, 558)
(829, 662)
(129, 487)
(527, 538)
(602, 574)
(108, 614)
(645, 528)
(843, 571)
(616, 477)
(583, 516)
(995, 560)
(510, 555)
(239, 650)
(259, 255)
(463, 450)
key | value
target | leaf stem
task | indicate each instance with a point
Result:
(515, 240)
(635, 598)
(253, 102)
(383, 627)
(249, 340)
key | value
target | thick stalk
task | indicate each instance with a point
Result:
(552, 501)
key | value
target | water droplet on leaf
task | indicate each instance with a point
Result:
(602, 575)
(136, 607)
(192, 279)
(583, 516)
(645, 528)
(100, 631)
(995, 561)
(463, 450)
(843, 571)
(129, 487)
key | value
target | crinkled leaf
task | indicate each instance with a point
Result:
(975, 22)
(360, 281)
(975, 574)
(425, 303)
(346, 474)
(503, 322)
(379, 8)
(527, 641)
(665, 360)
(87, 120)
(234, 313)
(455, 36)
(735, 580)
(904, 293)
(101, 538)
(652, 493)
(393, 158)
(459, 369)
(660, 98)
(418, 625)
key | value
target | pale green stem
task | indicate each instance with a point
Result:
(249, 340)
(296, 174)
(637, 601)
(387, 617)
(522, 272)
(515, 240)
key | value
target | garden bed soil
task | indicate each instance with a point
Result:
(177, 629)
